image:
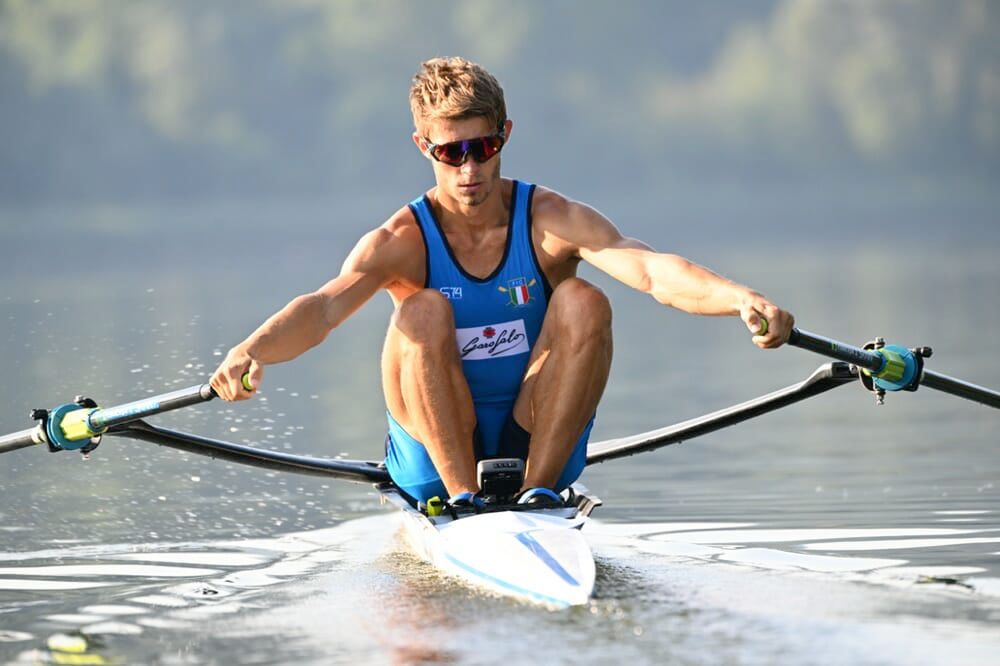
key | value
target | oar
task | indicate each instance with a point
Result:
(882, 368)
(894, 368)
(74, 425)
(79, 424)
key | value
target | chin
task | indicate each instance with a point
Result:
(472, 200)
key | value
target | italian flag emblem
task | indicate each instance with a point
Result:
(518, 290)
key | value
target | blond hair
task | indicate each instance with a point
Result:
(455, 89)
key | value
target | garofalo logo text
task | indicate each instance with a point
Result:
(493, 341)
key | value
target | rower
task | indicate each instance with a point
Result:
(495, 349)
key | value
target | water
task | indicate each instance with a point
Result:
(828, 532)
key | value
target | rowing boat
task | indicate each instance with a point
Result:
(536, 555)
(526, 552)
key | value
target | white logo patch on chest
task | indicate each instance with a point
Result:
(481, 343)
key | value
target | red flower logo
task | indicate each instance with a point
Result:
(489, 332)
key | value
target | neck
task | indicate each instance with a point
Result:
(492, 212)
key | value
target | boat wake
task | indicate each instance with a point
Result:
(338, 589)
(739, 544)
(127, 589)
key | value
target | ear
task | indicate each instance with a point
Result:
(421, 145)
(507, 126)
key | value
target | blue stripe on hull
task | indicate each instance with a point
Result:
(539, 551)
(517, 589)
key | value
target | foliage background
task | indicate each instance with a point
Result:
(170, 100)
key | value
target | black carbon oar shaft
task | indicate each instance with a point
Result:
(960, 388)
(834, 349)
(874, 362)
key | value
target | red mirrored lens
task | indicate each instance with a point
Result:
(490, 146)
(454, 153)
(451, 153)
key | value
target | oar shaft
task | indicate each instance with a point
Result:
(834, 349)
(72, 426)
(960, 388)
(102, 419)
(19, 440)
(894, 368)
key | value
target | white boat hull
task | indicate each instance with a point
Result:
(539, 555)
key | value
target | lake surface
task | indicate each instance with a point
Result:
(832, 531)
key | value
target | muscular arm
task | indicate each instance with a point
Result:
(668, 278)
(380, 258)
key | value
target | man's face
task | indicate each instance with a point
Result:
(470, 184)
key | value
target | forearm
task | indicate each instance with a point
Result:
(290, 332)
(677, 282)
(668, 278)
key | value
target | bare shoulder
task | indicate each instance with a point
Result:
(395, 250)
(399, 233)
(565, 225)
(548, 202)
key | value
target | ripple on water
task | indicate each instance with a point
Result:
(640, 567)
(740, 547)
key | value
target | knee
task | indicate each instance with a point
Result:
(583, 306)
(425, 317)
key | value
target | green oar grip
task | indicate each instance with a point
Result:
(75, 425)
(896, 366)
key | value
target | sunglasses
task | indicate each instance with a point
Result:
(456, 152)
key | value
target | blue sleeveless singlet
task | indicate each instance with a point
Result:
(497, 321)
(497, 318)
